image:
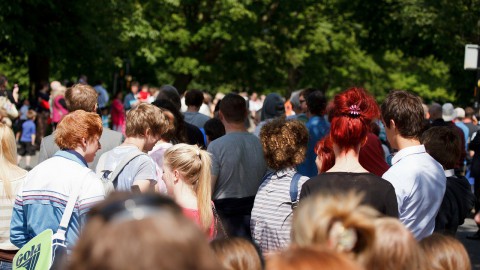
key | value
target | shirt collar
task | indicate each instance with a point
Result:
(449, 173)
(411, 150)
(72, 155)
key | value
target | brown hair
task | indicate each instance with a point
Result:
(233, 108)
(406, 110)
(310, 258)
(31, 114)
(443, 144)
(284, 143)
(194, 165)
(395, 247)
(146, 116)
(75, 127)
(325, 219)
(445, 253)
(236, 254)
(81, 97)
(161, 238)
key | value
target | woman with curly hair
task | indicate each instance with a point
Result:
(353, 111)
(284, 145)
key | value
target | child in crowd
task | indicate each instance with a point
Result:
(284, 144)
(27, 140)
(144, 94)
(443, 144)
(22, 118)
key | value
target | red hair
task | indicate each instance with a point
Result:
(324, 151)
(351, 116)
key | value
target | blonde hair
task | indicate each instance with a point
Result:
(8, 160)
(236, 254)
(146, 116)
(193, 164)
(310, 258)
(445, 253)
(336, 220)
(395, 247)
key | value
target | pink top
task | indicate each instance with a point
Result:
(118, 113)
(195, 216)
(58, 111)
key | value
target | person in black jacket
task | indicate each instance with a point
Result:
(475, 173)
(442, 143)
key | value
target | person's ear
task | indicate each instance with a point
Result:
(392, 124)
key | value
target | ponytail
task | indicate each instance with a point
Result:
(204, 190)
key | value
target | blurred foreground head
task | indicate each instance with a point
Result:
(141, 231)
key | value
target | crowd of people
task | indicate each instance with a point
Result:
(179, 180)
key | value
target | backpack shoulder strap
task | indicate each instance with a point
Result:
(294, 189)
(122, 165)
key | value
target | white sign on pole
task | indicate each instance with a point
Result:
(471, 56)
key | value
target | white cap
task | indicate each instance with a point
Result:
(448, 112)
(460, 112)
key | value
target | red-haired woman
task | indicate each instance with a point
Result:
(350, 119)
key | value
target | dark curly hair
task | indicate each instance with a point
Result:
(284, 143)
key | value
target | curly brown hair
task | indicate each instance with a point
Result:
(284, 143)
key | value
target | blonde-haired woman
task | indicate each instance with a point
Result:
(339, 221)
(186, 172)
(12, 178)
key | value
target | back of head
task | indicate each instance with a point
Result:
(338, 221)
(395, 247)
(272, 106)
(214, 129)
(194, 165)
(316, 102)
(406, 110)
(77, 126)
(236, 254)
(141, 231)
(460, 113)
(445, 253)
(233, 108)
(295, 100)
(81, 97)
(179, 135)
(310, 258)
(443, 144)
(448, 112)
(325, 153)
(147, 117)
(194, 98)
(435, 111)
(3, 82)
(170, 92)
(469, 112)
(284, 143)
(351, 115)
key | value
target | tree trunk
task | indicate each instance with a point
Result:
(38, 72)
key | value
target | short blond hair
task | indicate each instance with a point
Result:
(444, 252)
(146, 116)
(76, 126)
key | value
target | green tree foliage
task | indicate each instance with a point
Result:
(247, 45)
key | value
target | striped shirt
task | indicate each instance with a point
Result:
(272, 212)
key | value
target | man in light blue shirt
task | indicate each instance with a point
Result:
(102, 94)
(418, 179)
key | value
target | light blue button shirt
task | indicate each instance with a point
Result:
(419, 183)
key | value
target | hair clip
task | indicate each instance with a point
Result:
(354, 110)
(341, 238)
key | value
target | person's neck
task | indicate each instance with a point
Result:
(193, 109)
(347, 161)
(467, 120)
(234, 127)
(184, 195)
(138, 142)
(406, 142)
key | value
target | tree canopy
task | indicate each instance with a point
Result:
(262, 45)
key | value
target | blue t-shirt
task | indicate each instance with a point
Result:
(28, 129)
